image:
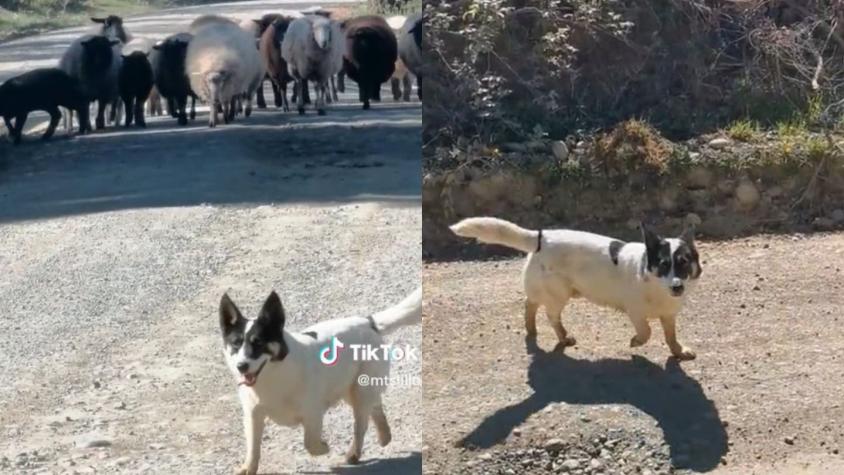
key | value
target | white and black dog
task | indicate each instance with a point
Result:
(282, 377)
(645, 280)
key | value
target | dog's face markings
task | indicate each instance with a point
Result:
(250, 344)
(673, 261)
(614, 249)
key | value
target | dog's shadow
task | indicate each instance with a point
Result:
(689, 421)
(410, 463)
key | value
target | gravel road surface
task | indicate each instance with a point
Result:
(763, 396)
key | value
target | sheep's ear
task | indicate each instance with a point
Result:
(257, 22)
(98, 20)
(114, 42)
(158, 45)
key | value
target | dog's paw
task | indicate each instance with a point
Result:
(684, 354)
(317, 448)
(352, 457)
(636, 341)
(245, 470)
(568, 341)
(384, 437)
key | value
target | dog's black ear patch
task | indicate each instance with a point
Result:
(658, 252)
(614, 249)
(267, 333)
(230, 317)
(273, 310)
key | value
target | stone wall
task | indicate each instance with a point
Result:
(725, 188)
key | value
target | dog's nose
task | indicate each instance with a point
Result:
(243, 367)
(677, 290)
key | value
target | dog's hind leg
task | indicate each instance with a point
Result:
(555, 317)
(530, 316)
(253, 426)
(380, 420)
(313, 433)
(362, 410)
(669, 327)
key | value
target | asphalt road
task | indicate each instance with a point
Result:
(115, 249)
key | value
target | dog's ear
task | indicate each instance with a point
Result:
(652, 243)
(273, 310)
(651, 238)
(688, 235)
(230, 316)
(98, 20)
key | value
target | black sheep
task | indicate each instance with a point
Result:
(171, 80)
(135, 83)
(371, 52)
(45, 90)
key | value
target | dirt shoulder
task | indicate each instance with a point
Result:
(763, 395)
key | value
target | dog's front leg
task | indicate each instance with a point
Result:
(669, 326)
(253, 426)
(313, 434)
(643, 331)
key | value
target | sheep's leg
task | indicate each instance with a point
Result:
(193, 107)
(419, 87)
(407, 86)
(235, 105)
(182, 105)
(300, 98)
(55, 117)
(101, 106)
(171, 108)
(334, 90)
(248, 110)
(139, 113)
(395, 84)
(277, 94)
(376, 92)
(363, 94)
(321, 90)
(306, 93)
(8, 122)
(282, 89)
(260, 101)
(341, 81)
(212, 116)
(84, 119)
(17, 131)
(129, 103)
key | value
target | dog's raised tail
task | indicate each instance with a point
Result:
(498, 231)
(407, 312)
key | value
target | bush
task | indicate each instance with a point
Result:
(502, 67)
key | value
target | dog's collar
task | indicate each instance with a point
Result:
(538, 242)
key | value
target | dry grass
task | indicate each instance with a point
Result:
(633, 145)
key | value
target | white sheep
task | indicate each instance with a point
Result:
(223, 64)
(410, 48)
(313, 48)
(206, 20)
(402, 77)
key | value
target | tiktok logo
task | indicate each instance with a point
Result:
(330, 354)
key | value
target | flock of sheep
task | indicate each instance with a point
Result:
(221, 62)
